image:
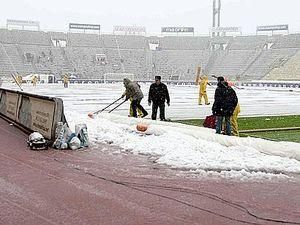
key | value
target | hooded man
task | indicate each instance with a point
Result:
(134, 92)
(158, 95)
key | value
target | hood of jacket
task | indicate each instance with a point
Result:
(221, 84)
(126, 82)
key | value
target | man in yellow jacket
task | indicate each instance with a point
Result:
(34, 80)
(19, 79)
(234, 117)
(203, 82)
(66, 81)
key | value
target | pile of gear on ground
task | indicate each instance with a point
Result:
(64, 138)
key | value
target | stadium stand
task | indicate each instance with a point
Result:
(288, 41)
(58, 35)
(268, 60)
(248, 42)
(172, 57)
(30, 37)
(131, 42)
(6, 37)
(288, 71)
(184, 43)
(179, 63)
(232, 63)
(109, 41)
(84, 40)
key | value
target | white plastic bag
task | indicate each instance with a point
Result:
(61, 141)
(75, 143)
(82, 133)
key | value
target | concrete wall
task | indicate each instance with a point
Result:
(33, 112)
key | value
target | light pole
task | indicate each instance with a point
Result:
(216, 15)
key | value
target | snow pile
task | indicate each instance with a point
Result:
(194, 148)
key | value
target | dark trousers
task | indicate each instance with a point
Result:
(136, 104)
(161, 106)
(220, 123)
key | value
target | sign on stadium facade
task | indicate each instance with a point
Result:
(273, 27)
(177, 29)
(22, 23)
(129, 29)
(79, 26)
(226, 29)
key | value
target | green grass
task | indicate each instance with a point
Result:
(264, 122)
(293, 135)
(268, 122)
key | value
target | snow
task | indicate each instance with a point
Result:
(254, 101)
(181, 146)
(194, 148)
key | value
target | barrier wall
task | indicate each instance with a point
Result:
(33, 112)
(283, 84)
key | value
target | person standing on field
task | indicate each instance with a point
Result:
(34, 80)
(202, 81)
(202, 90)
(66, 81)
(234, 122)
(236, 112)
(224, 105)
(158, 95)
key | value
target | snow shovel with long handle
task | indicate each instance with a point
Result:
(118, 106)
(17, 83)
(91, 114)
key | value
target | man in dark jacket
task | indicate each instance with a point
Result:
(158, 95)
(134, 91)
(224, 105)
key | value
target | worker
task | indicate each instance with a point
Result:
(19, 79)
(34, 80)
(66, 81)
(140, 113)
(233, 121)
(203, 82)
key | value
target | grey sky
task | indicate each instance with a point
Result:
(56, 14)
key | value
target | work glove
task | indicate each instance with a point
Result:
(168, 103)
(123, 96)
(149, 103)
(126, 99)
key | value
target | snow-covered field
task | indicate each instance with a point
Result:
(184, 99)
(181, 146)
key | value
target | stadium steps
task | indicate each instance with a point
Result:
(289, 71)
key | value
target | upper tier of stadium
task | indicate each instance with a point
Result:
(173, 57)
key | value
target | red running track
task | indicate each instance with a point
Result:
(105, 186)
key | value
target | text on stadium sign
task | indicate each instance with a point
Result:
(177, 29)
(84, 26)
(273, 27)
